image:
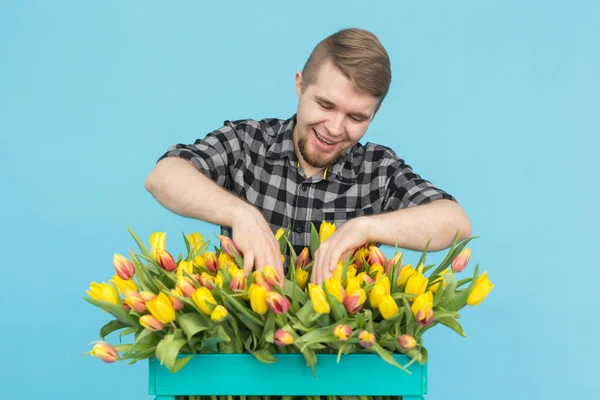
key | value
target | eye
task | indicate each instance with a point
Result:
(325, 106)
(356, 119)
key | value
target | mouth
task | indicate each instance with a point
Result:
(322, 139)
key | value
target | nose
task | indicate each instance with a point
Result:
(335, 124)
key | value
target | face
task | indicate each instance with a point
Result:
(332, 116)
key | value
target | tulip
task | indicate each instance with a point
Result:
(436, 283)
(211, 262)
(165, 260)
(219, 313)
(238, 280)
(185, 268)
(360, 257)
(199, 261)
(301, 278)
(157, 241)
(375, 295)
(354, 302)
(303, 259)
(151, 323)
(228, 246)
(126, 306)
(135, 301)
(271, 276)
(283, 338)
(461, 260)
(277, 303)
(416, 284)
(394, 261)
(258, 298)
(376, 271)
(366, 278)
(367, 339)
(204, 299)
(334, 288)
(225, 261)
(325, 231)
(423, 301)
(209, 281)
(259, 279)
(177, 303)
(406, 342)
(123, 266)
(103, 291)
(424, 316)
(406, 272)
(186, 285)
(318, 299)
(279, 233)
(343, 332)
(350, 272)
(161, 308)
(353, 284)
(388, 307)
(105, 352)
(376, 256)
(195, 241)
(482, 288)
(147, 296)
(124, 286)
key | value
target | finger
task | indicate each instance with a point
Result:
(248, 262)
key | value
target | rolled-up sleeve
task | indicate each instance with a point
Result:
(213, 155)
(405, 188)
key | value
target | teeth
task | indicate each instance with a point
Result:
(322, 139)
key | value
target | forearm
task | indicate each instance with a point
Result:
(182, 189)
(411, 228)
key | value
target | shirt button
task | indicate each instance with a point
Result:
(303, 188)
(298, 229)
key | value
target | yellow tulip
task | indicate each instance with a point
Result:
(343, 332)
(271, 276)
(211, 262)
(279, 233)
(135, 302)
(350, 272)
(283, 338)
(238, 280)
(105, 352)
(124, 286)
(339, 269)
(318, 299)
(185, 267)
(367, 339)
(199, 261)
(406, 342)
(354, 302)
(388, 307)
(353, 284)
(416, 284)
(204, 299)
(152, 324)
(325, 231)
(423, 301)
(258, 299)
(436, 283)
(379, 290)
(219, 313)
(334, 288)
(157, 241)
(482, 288)
(303, 258)
(376, 271)
(224, 261)
(124, 268)
(406, 272)
(301, 277)
(195, 240)
(103, 291)
(361, 256)
(161, 308)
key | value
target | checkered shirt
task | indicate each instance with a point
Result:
(256, 161)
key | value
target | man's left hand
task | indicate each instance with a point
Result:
(351, 235)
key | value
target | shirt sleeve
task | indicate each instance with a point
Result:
(213, 155)
(407, 189)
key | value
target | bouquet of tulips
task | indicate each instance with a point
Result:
(202, 302)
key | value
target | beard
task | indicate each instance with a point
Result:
(316, 159)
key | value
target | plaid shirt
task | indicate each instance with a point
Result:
(256, 161)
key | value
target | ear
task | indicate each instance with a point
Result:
(298, 79)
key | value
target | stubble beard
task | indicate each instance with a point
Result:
(314, 159)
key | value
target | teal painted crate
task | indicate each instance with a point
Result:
(242, 374)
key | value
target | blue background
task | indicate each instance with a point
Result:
(495, 101)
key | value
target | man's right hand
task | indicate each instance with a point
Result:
(253, 236)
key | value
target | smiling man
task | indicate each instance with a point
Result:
(253, 177)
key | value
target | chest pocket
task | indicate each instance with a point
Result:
(341, 215)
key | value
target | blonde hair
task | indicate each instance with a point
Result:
(359, 55)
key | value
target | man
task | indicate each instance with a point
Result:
(258, 176)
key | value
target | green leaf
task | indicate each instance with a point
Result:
(168, 349)
(292, 290)
(143, 334)
(464, 281)
(128, 331)
(314, 240)
(264, 356)
(180, 363)
(241, 308)
(450, 289)
(192, 323)
(187, 246)
(112, 326)
(422, 259)
(269, 331)
(387, 357)
(140, 244)
(453, 324)
(115, 310)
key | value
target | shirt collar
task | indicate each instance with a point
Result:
(282, 145)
